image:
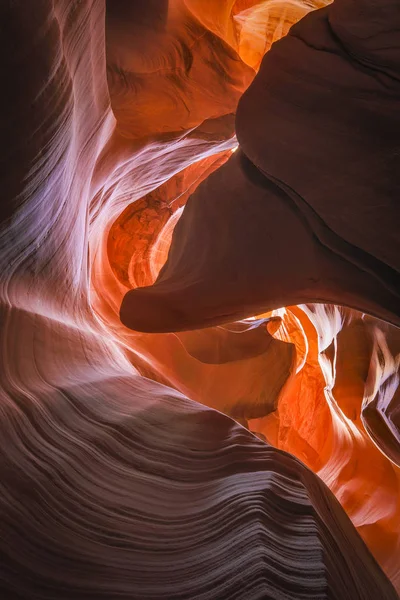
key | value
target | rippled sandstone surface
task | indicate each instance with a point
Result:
(249, 459)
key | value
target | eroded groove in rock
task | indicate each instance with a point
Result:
(112, 485)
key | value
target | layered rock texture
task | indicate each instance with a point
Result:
(237, 434)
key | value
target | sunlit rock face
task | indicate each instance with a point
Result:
(240, 454)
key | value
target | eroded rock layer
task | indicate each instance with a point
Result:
(116, 486)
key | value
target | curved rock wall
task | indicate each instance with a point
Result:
(120, 476)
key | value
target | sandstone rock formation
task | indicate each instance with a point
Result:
(120, 476)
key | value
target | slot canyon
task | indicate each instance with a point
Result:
(200, 300)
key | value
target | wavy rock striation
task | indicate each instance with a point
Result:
(116, 486)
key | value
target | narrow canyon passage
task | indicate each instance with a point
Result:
(199, 300)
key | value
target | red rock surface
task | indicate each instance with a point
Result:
(119, 475)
